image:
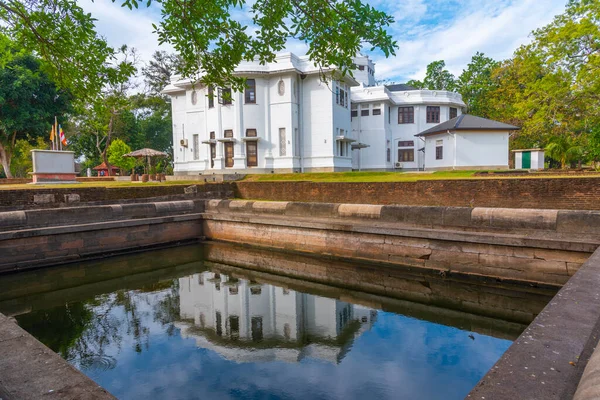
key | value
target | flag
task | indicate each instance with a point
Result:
(52, 133)
(63, 139)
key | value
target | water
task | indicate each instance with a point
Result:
(169, 324)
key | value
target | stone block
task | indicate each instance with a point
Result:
(190, 189)
(360, 211)
(45, 198)
(316, 210)
(271, 207)
(414, 215)
(511, 218)
(12, 219)
(72, 198)
(171, 207)
(457, 216)
(578, 222)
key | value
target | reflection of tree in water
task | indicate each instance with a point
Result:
(86, 333)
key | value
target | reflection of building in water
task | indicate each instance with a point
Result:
(246, 321)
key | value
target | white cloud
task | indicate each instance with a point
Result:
(493, 30)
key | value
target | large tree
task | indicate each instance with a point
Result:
(205, 34)
(29, 101)
(436, 78)
(475, 84)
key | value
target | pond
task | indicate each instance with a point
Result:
(172, 324)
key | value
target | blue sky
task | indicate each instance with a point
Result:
(426, 30)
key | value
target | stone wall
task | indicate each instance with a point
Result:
(546, 193)
(546, 246)
(19, 199)
(36, 238)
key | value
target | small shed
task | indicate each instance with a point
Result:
(467, 142)
(102, 170)
(529, 158)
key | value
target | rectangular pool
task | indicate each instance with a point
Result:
(171, 324)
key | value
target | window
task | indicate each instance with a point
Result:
(212, 135)
(433, 114)
(361, 67)
(406, 115)
(225, 96)
(257, 329)
(453, 112)
(250, 132)
(234, 327)
(213, 154)
(250, 94)
(388, 154)
(346, 102)
(406, 155)
(196, 149)
(218, 324)
(337, 95)
(296, 143)
(377, 111)
(233, 290)
(342, 149)
(282, 142)
(389, 115)
(439, 149)
(364, 113)
(211, 97)
(194, 97)
(406, 143)
(256, 290)
(354, 113)
(251, 154)
(228, 133)
(228, 154)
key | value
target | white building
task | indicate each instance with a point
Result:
(291, 119)
(467, 142)
(246, 321)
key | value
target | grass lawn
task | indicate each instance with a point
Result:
(355, 176)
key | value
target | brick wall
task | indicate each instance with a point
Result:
(546, 193)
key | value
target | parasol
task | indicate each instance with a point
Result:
(147, 154)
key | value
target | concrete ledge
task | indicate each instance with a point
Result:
(589, 386)
(548, 359)
(514, 218)
(30, 370)
(359, 210)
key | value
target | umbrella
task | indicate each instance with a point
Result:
(146, 153)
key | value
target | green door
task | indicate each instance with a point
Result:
(526, 160)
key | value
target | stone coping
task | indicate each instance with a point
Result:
(548, 359)
(30, 370)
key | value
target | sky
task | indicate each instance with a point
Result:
(426, 31)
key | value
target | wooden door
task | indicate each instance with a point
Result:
(228, 154)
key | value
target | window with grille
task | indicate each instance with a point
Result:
(439, 149)
(433, 114)
(211, 97)
(196, 149)
(364, 113)
(212, 135)
(250, 93)
(406, 115)
(252, 154)
(225, 96)
(228, 133)
(406, 143)
(453, 112)
(250, 132)
(377, 111)
(406, 155)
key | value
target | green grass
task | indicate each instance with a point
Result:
(355, 176)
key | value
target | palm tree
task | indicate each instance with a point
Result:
(565, 149)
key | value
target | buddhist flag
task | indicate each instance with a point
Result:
(62, 137)
(52, 133)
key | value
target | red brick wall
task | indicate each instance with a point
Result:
(546, 193)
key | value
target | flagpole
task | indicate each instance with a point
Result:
(58, 144)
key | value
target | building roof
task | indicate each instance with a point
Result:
(467, 122)
(400, 87)
(103, 166)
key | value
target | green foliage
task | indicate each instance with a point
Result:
(475, 83)
(116, 150)
(29, 101)
(22, 162)
(63, 35)
(437, 78)
(564, 149)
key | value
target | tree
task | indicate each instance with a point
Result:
(564, 149)
(29, 101)
(116, 150)
(475, 83)
(22, 163)
(437, 78)
(205, 34)
(158, 71)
